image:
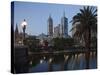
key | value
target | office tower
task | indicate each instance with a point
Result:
(64, 26)
(50, 26)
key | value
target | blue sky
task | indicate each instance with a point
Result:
(36, 15)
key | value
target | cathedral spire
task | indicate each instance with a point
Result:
(16, 30)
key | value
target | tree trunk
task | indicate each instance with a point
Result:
(88, 47)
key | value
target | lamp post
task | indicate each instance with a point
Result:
(24, 24)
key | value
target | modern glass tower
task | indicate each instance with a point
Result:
(64, 26)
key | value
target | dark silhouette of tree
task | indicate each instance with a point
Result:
(62, 43)
(86, 21)
(32, 43)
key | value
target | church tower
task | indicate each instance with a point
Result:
(16, 31)
(16, 34)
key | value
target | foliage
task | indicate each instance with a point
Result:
(62, 43)
(32, 43)
(85, 21)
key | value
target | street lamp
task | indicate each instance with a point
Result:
(24, 24)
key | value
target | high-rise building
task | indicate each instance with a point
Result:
(64, 26)
(50, 26)
(57, 31)
(74, 29)
(61, 30)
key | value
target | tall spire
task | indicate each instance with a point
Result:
(16, 30)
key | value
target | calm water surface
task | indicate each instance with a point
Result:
(62, 62)
(58, 62)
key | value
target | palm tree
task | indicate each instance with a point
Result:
(86, 22)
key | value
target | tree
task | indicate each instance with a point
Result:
(32, 43)
(62, 43)
(86, 21)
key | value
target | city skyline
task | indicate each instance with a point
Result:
(52, 37)
(37, 14)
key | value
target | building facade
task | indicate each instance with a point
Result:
(50, 26)
(61, 30)
(64, 27)
(57, 31)
(18, 37)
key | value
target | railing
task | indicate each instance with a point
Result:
(62, 52)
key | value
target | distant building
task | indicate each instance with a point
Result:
(56, 31)
(76, 39)
(50, 26)
(42, 39)
(18, 37)
(81, 41)
(16, 34)
(74, 29)
(64, 27)
(42, 36)
(61, 30)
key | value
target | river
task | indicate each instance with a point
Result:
(62, 62)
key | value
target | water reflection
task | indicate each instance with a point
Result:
(60, 62)
(41, 61)
(67, 62)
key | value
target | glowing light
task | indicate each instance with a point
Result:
(50, 60)
(41, 61)
(66, 57)
(44, 57)
(31, 62)
(24, 23)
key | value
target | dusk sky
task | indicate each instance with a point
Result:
(36, 15)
